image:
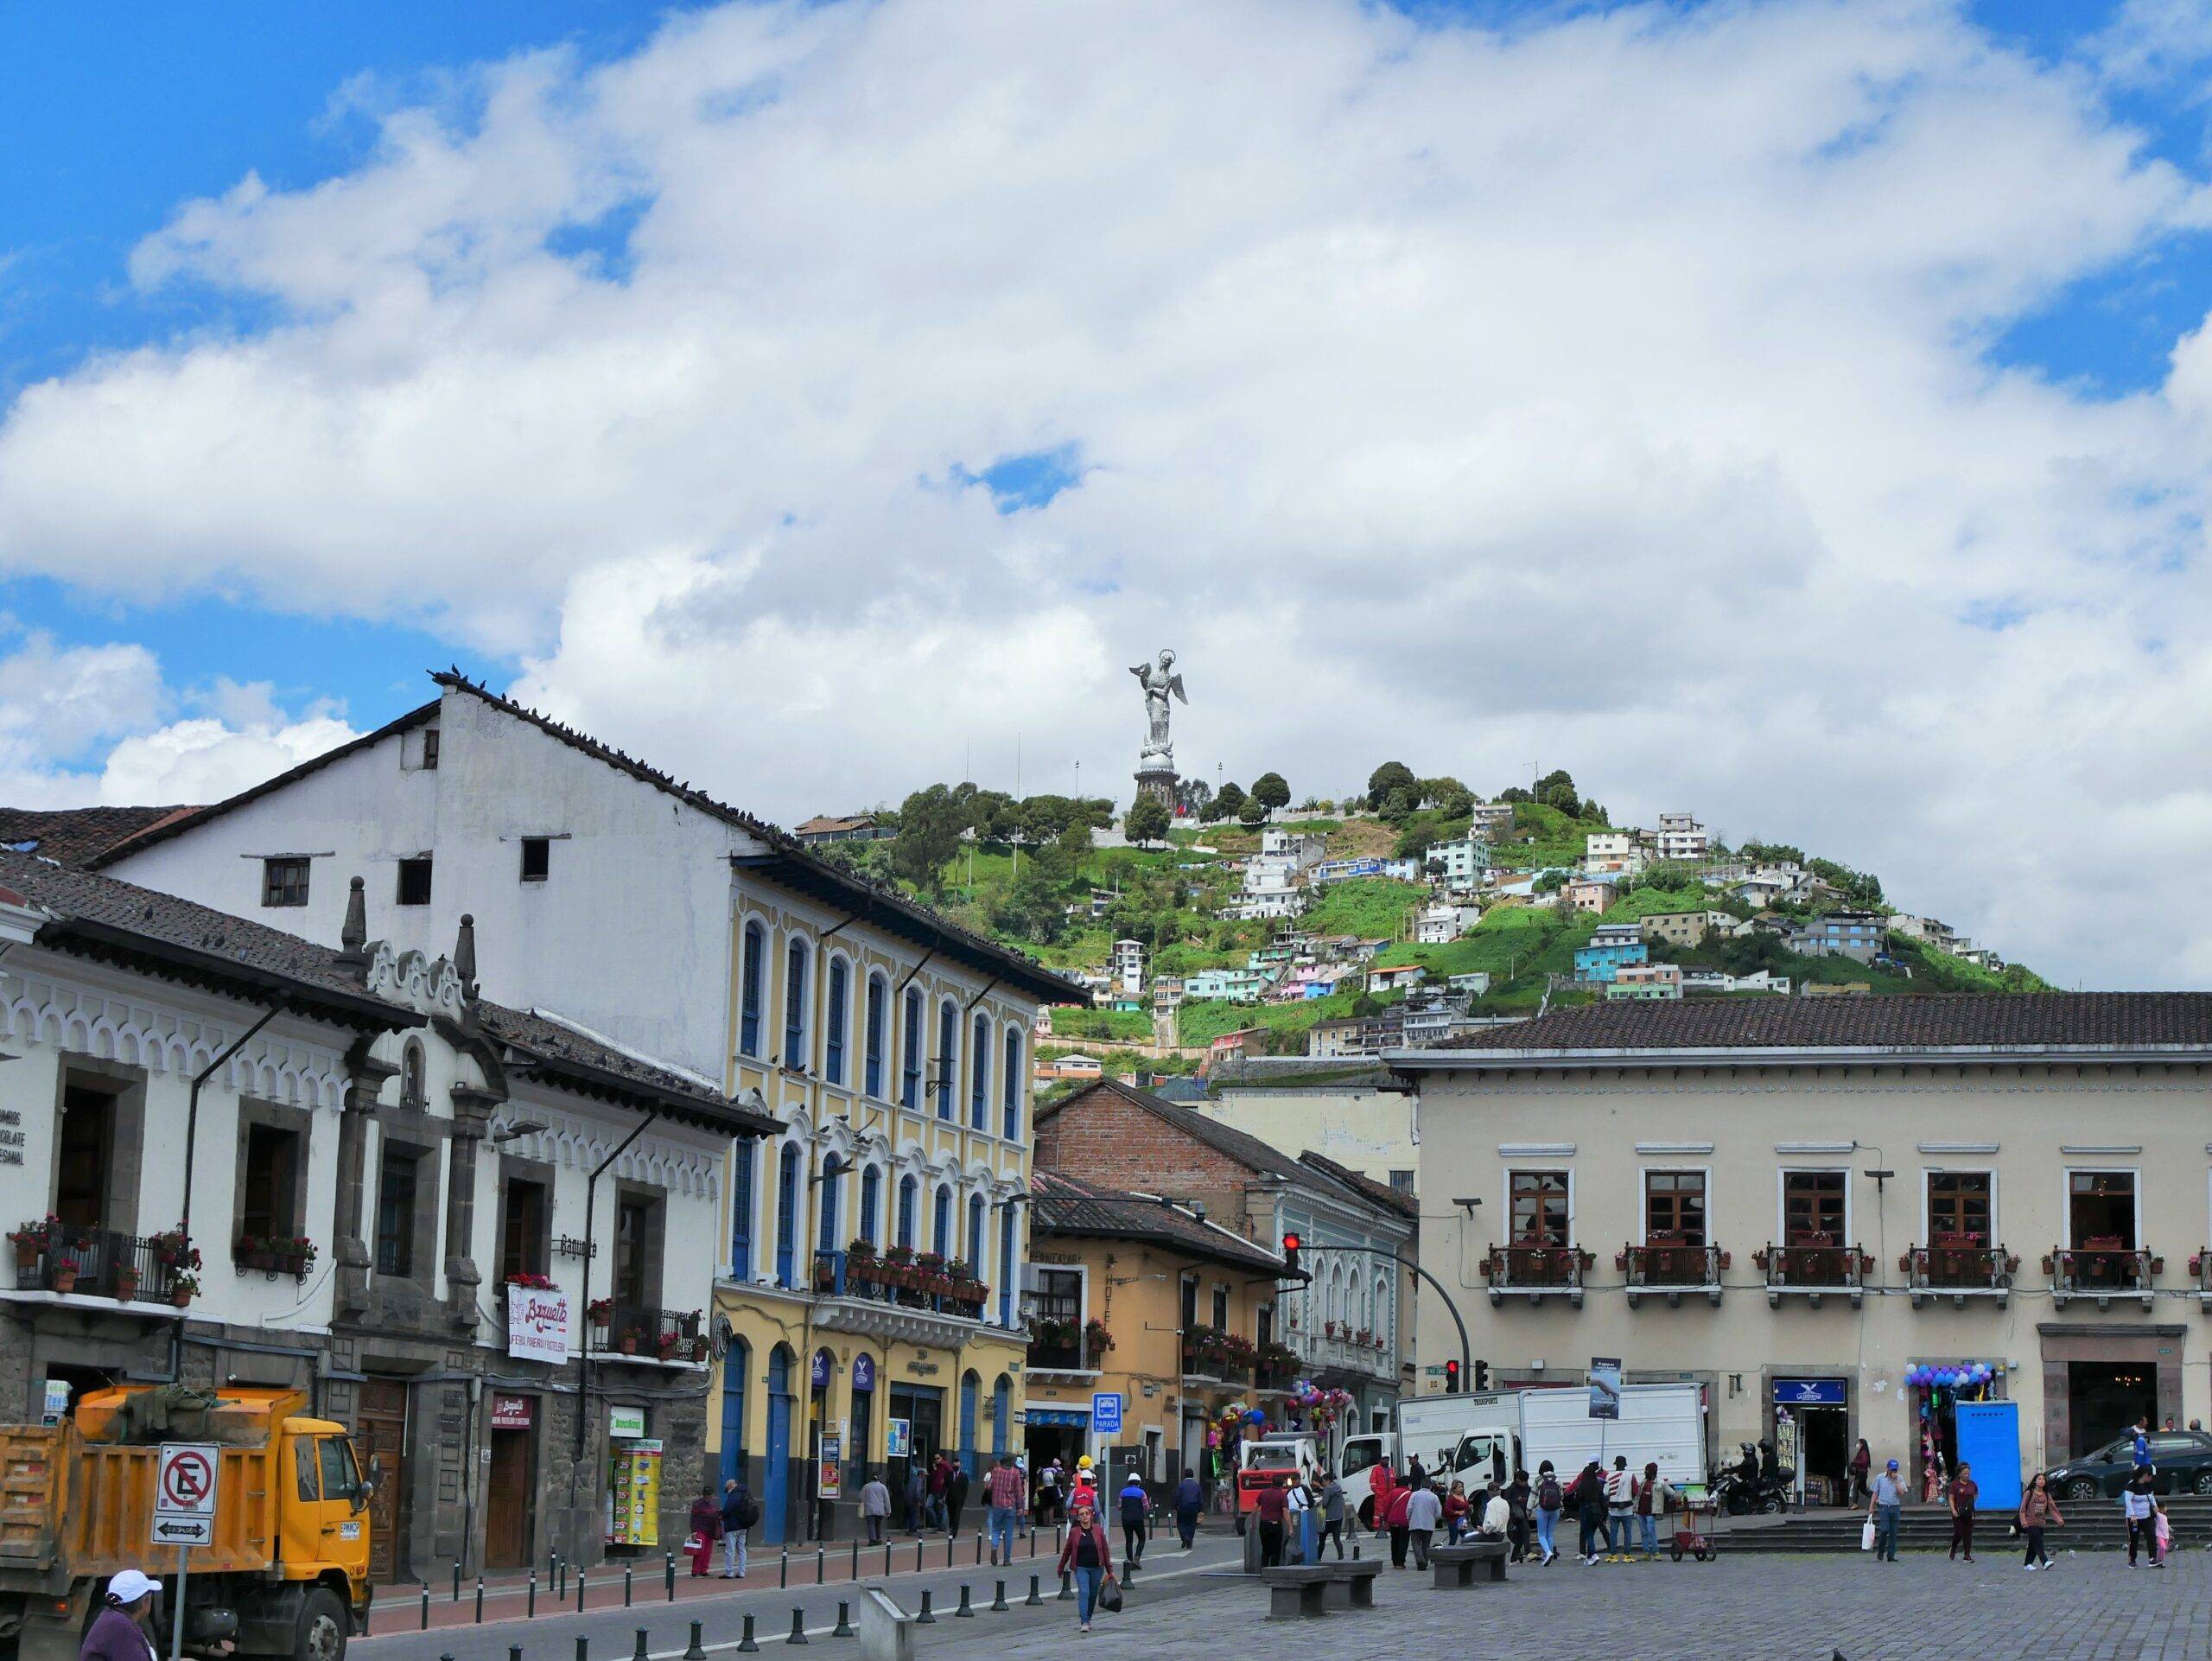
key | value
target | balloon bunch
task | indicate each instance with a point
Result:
(1974, 1372)
(1324, 1405)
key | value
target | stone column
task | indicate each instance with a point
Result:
(472, 1112)
(365, 1078)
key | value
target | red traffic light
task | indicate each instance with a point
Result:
(1451, 1378)
(1290, 1242)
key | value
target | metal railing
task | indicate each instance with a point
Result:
(1535, 1268)
(640, 1329)
(1816, 1268)
(2098, 1272)
(1673, 1265)
(99, 1262)
(840, 1275)
(1959, 1266)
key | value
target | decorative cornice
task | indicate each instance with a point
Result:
(429, 985)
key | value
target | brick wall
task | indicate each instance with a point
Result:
(1101, 1137)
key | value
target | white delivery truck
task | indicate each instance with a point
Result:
(1433, 1428)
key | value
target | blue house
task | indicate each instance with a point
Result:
(1613, 945)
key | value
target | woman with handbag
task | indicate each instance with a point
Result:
(1089, 1557)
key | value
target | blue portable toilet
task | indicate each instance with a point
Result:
(1989, 1440)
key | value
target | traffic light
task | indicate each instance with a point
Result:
(1482, 1375)
(1290, 1255)
(1451, 1378)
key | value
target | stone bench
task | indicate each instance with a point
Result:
(1460, 1567)
(1305, 1590)
(886, 1630)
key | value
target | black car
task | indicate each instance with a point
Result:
(2182, 1460)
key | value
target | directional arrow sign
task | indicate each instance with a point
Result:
(184, 1531)
(184, 1493)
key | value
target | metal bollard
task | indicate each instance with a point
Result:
(966, 1611)
(746, 1645)
(798, 1628)
(531, 1607)
(1033, 1601)
(886, 1556)
(844, 1627)
(625, 1585)
(671, 1576)
(998, 1602)
(480, 1600)
(948, 1548)
(1354, 1551)
(456, 1580)
(583, 1645)
(638, 1654)
(514, 1653)
(1067, 1586)
(783, 1571)
(695, 1652)
(426, 1609)
(927, 1618)
(918, 1556)
(821, 1562)
(979, 1546)
(580, 1591)
(1033, 1539)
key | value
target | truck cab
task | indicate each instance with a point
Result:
(1275, 1460)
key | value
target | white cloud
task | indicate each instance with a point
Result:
(1608, 393)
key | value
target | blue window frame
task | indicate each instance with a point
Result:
(941, 1224)
(795, 1056)
(976, 1235)
(870, 1201)
(979, 1076)
(754, 959)
(878, 988)
(786, 1216)
(1006, 1275)
(1010, 1083)
(740, 1211)
(908, 1196)
(826, 1236)
(833, 1041)
(910, 1080)
(948, 1056)
(734, 1376)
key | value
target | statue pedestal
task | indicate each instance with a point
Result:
(1158, 782)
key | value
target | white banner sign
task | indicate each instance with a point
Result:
(538, 1323)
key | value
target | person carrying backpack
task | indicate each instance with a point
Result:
(738, 1514)
(1550, 1500)
(1588, 1497)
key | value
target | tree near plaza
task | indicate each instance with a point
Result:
(1270, 791)
(1230, 802)
(1254, 811)
(1147, 821)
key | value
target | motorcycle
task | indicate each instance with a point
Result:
(1754, 1486)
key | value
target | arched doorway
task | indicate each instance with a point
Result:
(775, 1476)
(971, 1388)
(737, 1366)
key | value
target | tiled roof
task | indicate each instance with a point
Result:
(1064, 1204)
(822, 823)
(953, 939)
(1381, 1194)
(1947, 1020)
(105, 916)
(74, 835)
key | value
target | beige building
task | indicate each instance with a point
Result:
(1359, 1123)
(1793, 1200)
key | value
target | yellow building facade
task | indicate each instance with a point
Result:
(1138, 1298)
(870, 1297)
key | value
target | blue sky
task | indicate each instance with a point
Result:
(818, 396)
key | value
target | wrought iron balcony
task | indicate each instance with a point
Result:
(873, 1295)
(2101, 1271)
(96, 1263)
(656, 1334)
(1959, 1268)
(1814, 1269)
(1671, 1268)
(1536, 1272)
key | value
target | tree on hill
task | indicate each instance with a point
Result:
(1147, 821)
(1556, 789)
(1515, 793)
(1397, 806)
(1254, 812)
(1270, 791)
(1230, 802)
(1456, 802)
(1391, 776)
(929, 823)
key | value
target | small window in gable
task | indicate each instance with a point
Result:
(536, 858)
(284, 881)
(414, 881)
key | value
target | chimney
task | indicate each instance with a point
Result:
(353, 935)
(464, 957)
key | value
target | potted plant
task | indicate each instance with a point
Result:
(631, 1339)
(599, 1312)
(183, 1289)
(665, 1343)
(294, 1256)
(65, 1270)
(1096, 1340)
(687, 1325)
(126, 1282)
(860, 1250)
(530, 1280)
(30, 1239)
(700, 1348)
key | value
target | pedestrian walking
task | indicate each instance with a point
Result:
(1190, 1500)
(1862, 1464)
(1135, 1503)
(1620, 1508)
(1332, 1515)
(1399, 1523)
(1416, 1474)
(2135, 1505)
(1424, 1511)
(1885, 1506)
(2141, 1449)
(1268, 1511)
(2162, 1533)
(1496, 1518)
(1085, 1485)
(1518, 1493)
(917, 1495)
(1089, 1557)
(740, 1513)
(1589, 1500)
(1455, 1513)
(956, 1495)
(706, 1529)
(1302, 1524)
(1549, 1499)
(1007, 1490)
(1652, 1496)
(119, 1631)
(1964, 1491)
(875, 1511)
(2038, 1512)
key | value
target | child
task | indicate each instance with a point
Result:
(2162, 1533)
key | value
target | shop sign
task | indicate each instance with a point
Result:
(626, 1422)
(833, 1455)
(11, 1136)
(511, 1412)
(863, 1372)
(1808, 1392)
(822, 1368)
(538, 1323)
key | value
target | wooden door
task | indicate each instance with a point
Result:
(380, 1426)
(506, 1502)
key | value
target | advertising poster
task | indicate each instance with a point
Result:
(898, 1439)
(833, 1456)
(633, 1486)
(538, 1323)
(1604, 1387)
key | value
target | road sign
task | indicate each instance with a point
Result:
(184, 1495)
(1106, 1413)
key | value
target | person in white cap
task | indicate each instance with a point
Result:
(121, 1632)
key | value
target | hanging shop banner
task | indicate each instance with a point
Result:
(822, 1365)
(863, 1372)
(833, 1457)
(1808, 1392)
(511, 1412)
(538, 1323)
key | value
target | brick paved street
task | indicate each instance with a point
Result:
(2091, 1606)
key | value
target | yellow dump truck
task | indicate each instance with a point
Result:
(286, 1574)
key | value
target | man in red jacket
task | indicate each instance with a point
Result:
(1271, 1508)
